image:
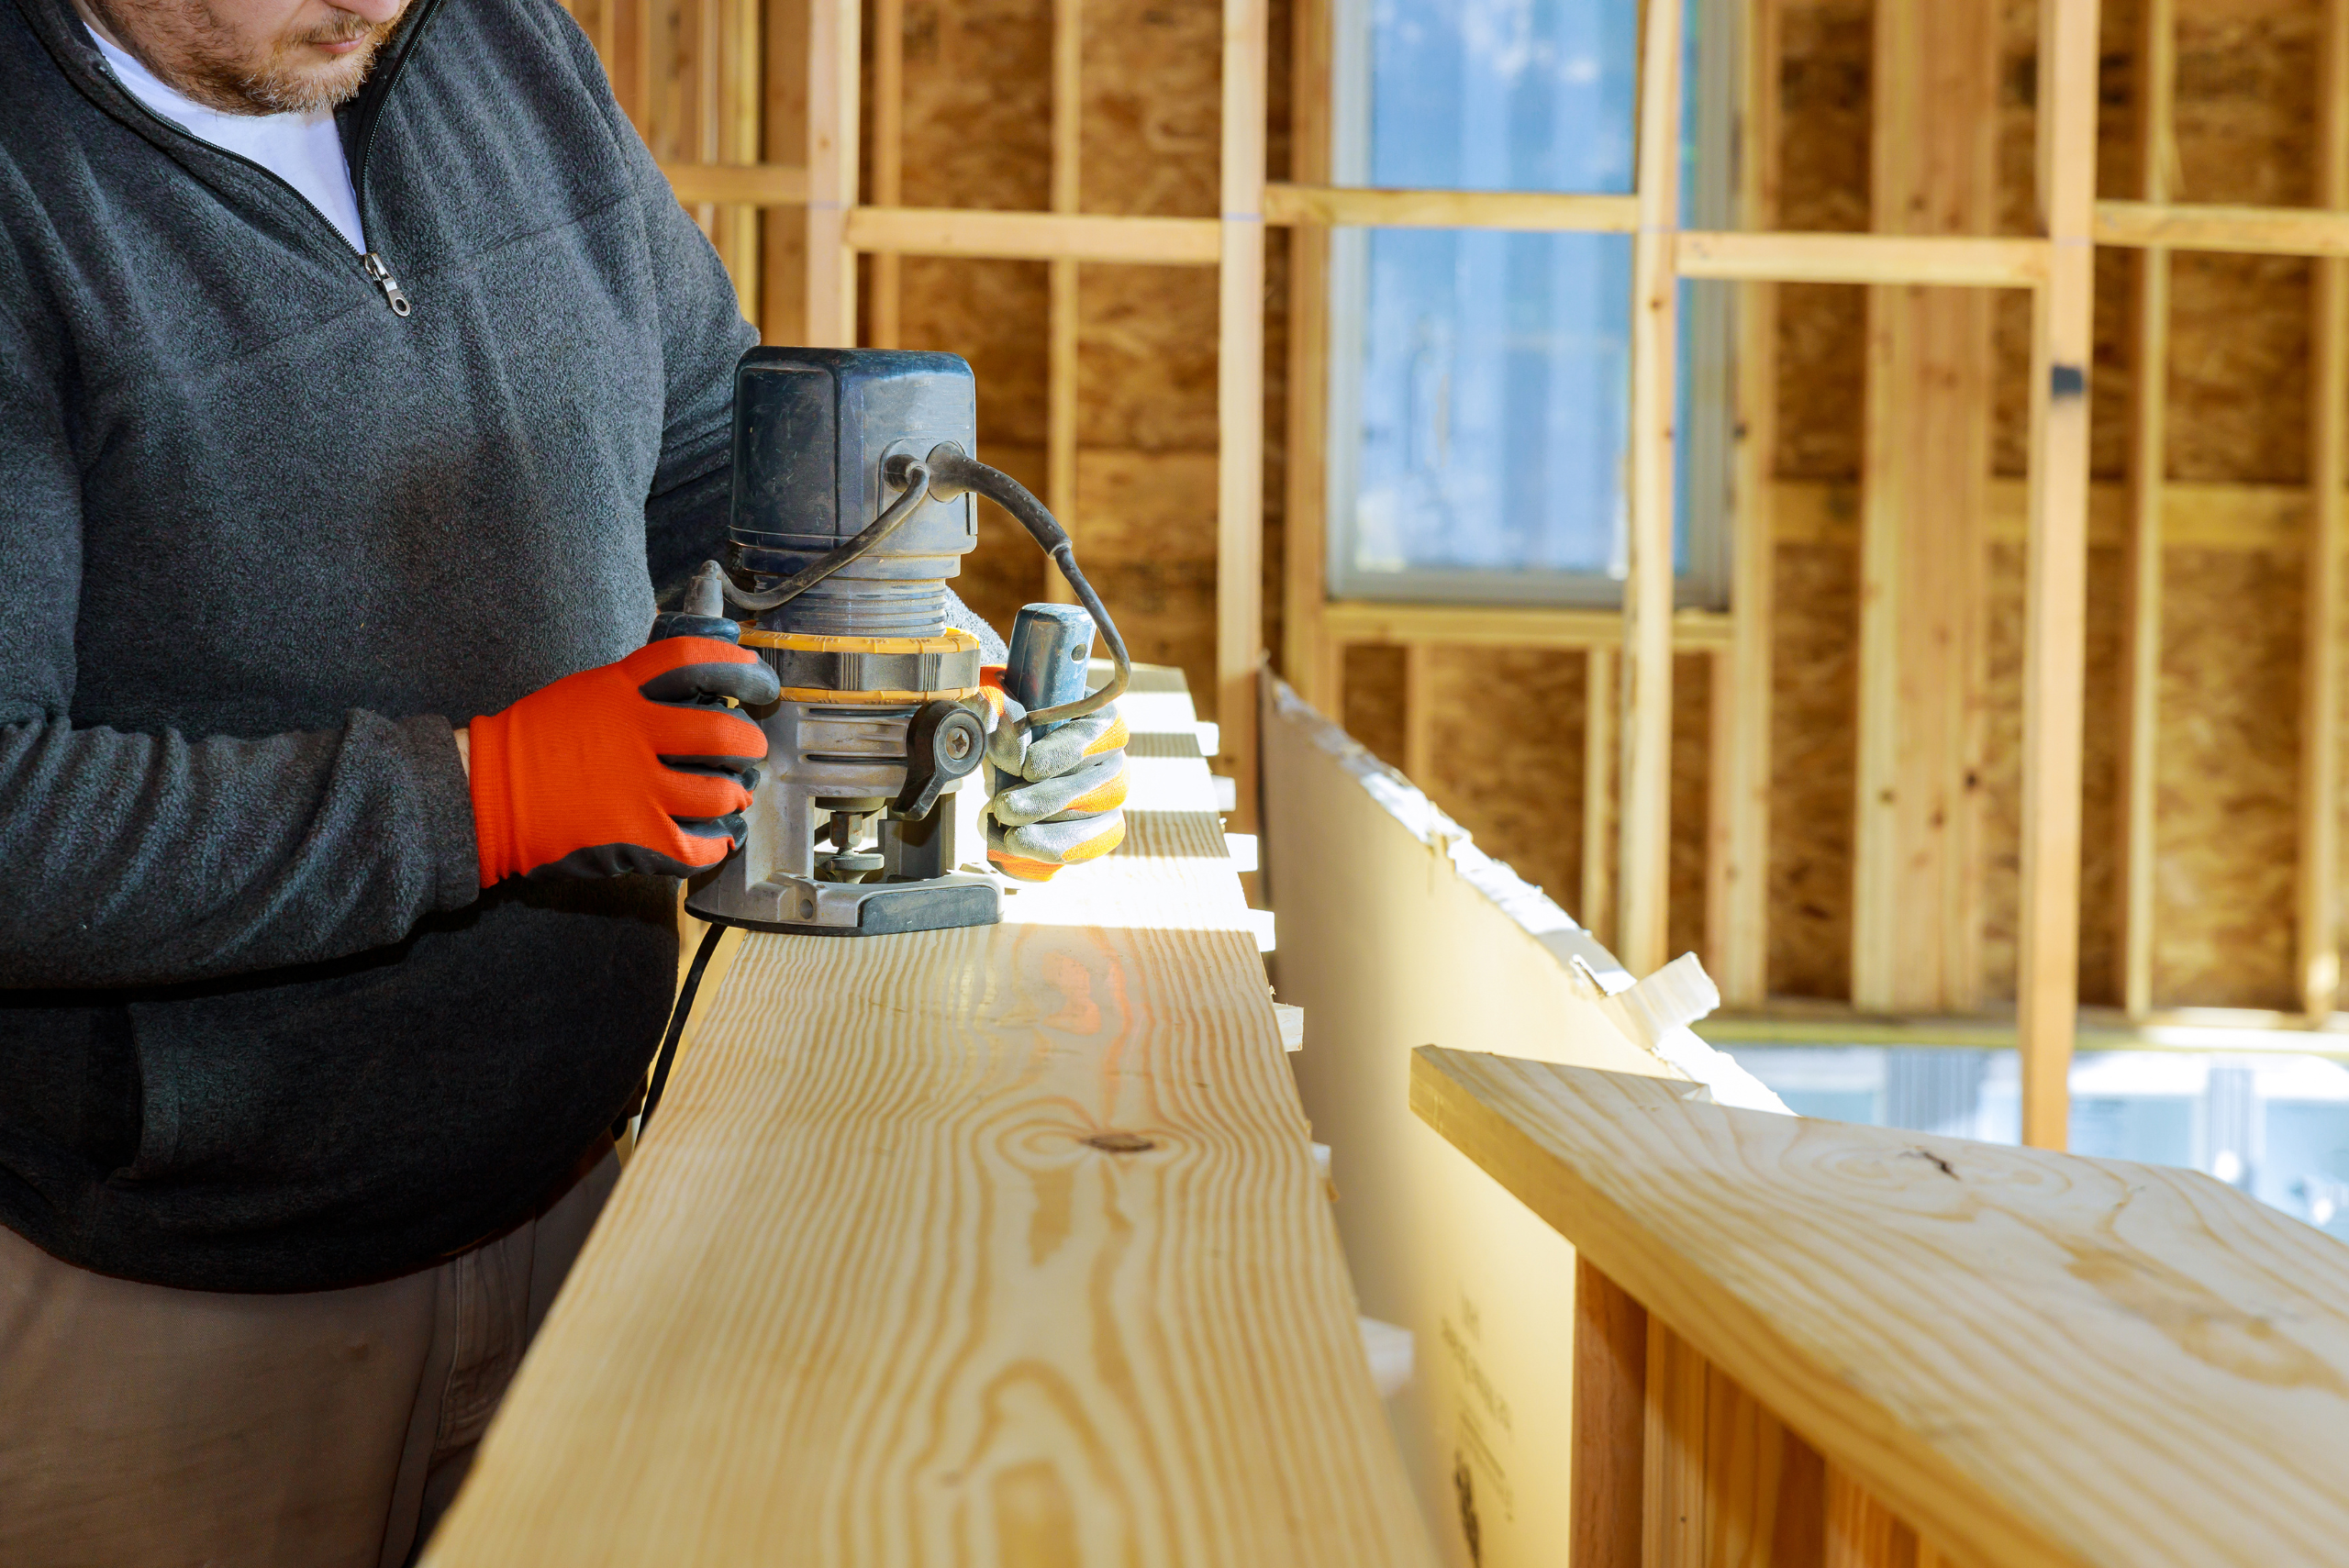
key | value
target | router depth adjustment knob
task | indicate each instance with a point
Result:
(944, 741)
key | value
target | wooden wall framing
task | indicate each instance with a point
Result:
(840, 224)
(713, 170)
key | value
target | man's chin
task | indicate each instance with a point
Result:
(305, 78)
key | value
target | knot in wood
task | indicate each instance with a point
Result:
(1122, 1142)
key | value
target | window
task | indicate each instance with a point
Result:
(1479, 383)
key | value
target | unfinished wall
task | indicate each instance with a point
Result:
(978, 133)
(2237, 388)
(1507, 741)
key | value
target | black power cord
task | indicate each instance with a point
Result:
(684, 1008)
(951, 472)
(948, 472)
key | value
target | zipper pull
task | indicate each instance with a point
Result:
(384, 281)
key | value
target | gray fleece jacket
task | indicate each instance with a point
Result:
(263, 540)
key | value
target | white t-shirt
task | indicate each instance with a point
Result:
(303, 150)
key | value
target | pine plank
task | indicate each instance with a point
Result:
(890, 1283)
(1925, 464)
(1610, 1422)
(1742, 950)
(2056, 604)
(2320, 879)
(1644, 806)
(2029, 1357)
(1306, 652)
(1240, 397)
(2140, 669)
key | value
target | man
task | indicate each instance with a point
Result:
(359, 381)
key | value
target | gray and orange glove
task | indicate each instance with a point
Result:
(635, 766)
(1053, 799)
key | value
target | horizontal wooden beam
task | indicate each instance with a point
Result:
(2251, 517)
(1508, 626)
(743, 185)
(1796, 1022)
(1953, 260)
(2250, 231)
(1800, 257)
(1535, 210)
(1037, 236)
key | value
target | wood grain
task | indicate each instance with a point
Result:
(1672, 1478)
(834, 86)
(1239, 399)
(1742, 951)
(1610, 1422)
(1332, 205)
(1509, 626)
(2033, 1358)
(2063, 347)
(748, 184)
(1960, 262)
(1061, 369)
(1644, 856)
(882, 1287)
(2318, 946)
(885, 317)
(1925, 463)
(1602, 693)
(2271, 231)
(2148, 480)
(1034, 235)
(1863, 1532)
(1309, 659)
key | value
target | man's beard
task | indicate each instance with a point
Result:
(188, 46)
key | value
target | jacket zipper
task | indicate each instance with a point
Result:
(370, 104)
(384, 281)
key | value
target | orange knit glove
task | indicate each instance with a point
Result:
(627, 767)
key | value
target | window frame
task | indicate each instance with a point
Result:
(1703, 460)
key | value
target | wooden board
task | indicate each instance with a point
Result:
(993, 1246)
(1925, 465)
(1395, 930)
(2030, 1357)
(1644, 859)
(2055, 603)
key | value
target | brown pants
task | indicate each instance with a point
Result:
(169, 1429)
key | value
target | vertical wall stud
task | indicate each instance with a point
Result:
(1418, 715)
(1645, 866)
(1600, 690)
(1061, 356)
(2141, 665)
(1742, 946)
(2320, 936)
(1609, 1422)
(1239, 399)
(783, 241)
(835, 69)
(2055, 603)
(1305, 649)
(887, 274)
(1925, 471)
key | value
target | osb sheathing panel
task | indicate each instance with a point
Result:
(1374, 703)
(2227, 777)
(978, 122)
(1505, 750)
(1507, 758)
(1824, 185)
(2117, 174)
(1813, 769)
(2237, 390)
(2001, 779)
(1692, 693)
